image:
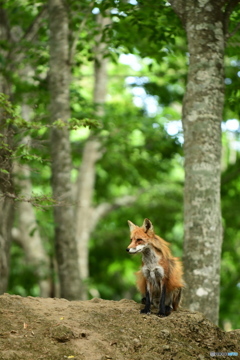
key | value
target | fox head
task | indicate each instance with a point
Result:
(140, 236)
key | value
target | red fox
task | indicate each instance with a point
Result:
(160, 278)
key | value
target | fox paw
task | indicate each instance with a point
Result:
(168, 310)
(161, 315)
(143, 311)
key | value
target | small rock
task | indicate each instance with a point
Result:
(165, 332)
(96, 300)
(136, 343)
(166, 347)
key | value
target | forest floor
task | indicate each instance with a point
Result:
(57, 329)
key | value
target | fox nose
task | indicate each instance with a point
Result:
(127, 249)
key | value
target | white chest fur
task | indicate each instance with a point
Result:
(151, 269)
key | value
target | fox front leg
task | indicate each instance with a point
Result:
(147, 308)
(162, 306)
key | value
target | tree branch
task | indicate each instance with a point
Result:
(4, 24)
(72, 50)
(34, 27)
(103, 209)
(227, 36)
(16, 55)
(76, 34)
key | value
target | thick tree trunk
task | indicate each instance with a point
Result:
(202, 116)
(59, 73)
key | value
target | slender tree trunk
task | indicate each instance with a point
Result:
(59, 73)
(91, 153)
(6, 203)
(100, 67)
(88, 215)
(6, 183)
(6, 211)
(86, 182)
(202, 116)
(26, 234)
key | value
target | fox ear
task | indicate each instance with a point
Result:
(131, 225)
(147, 225)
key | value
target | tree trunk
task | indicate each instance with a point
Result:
(202, 116)
(88, 216)
(6, 184)
(26, 234)
(6, 221)
(91, 153)
(86, 182)
(6, 203)
(59, 73)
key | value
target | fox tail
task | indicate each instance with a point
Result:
(177, 296)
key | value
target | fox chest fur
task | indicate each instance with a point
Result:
(151, 268)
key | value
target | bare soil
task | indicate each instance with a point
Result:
(57, 329)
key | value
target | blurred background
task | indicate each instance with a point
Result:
(126, 154)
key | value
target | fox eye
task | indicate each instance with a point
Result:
(139, 240)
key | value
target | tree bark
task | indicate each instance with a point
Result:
(85, 209)
(202, 116)
(26, 234)
(91, 153)
(6, 221)
(6, 183)
(59, 74)
(6, 203)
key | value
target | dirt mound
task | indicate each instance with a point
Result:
(57, 329)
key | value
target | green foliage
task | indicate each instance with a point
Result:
(149, 28)
(230, 285)
(23, 279)
(10, 114)
(139, 151)
(139, 157)
(112, 269)
(232, 98)
(26, 154)
(230, 288)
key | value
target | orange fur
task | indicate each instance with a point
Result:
(172, 266)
